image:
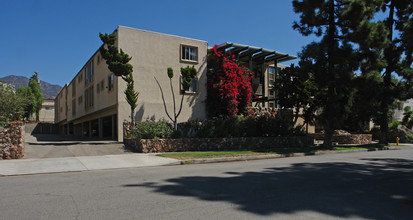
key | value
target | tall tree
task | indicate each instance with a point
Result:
(118, 64)
(332, 60)
(397, 55)
(370, 38)
(34, 85)
(385, 51)
(28, 101)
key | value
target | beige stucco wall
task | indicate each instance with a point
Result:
(311, 128)
(46, 115)
(60, 106)
(102, 97)
(47, 112)
(152, 53)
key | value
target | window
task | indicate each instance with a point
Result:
(89, 74)
(110, 82)
(89, 98)
(98, 88)
(86, 75)
(80, 100)
(271, 70)
(74, 107)
(271, 104)
(189, 53)
(74, 88)
(271, 93)
(91, 71)
(86, 98)
(80, 77)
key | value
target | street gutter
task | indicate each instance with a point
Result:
(276, 156)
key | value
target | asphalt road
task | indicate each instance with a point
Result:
(366, 185)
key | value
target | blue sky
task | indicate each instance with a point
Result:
(56, 37)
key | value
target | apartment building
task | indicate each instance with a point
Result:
(47, 112)
(93, 104)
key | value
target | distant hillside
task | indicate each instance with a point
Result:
(50, 91)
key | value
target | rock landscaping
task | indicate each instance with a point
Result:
(216, 144)
(12, 141)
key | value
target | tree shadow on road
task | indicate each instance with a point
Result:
(379, 189)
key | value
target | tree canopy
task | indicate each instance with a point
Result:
(37, 93)
(357, 58)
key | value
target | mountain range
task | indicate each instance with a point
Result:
(50, 91)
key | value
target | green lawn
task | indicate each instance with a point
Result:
(349, 148)
(217, 154)
(400, 145)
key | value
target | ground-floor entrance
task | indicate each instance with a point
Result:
(102, 127)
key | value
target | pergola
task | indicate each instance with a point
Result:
(256, 56)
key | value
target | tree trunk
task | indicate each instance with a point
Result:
(328, 137)
(132, 118)
(388, 53)
(331, 82)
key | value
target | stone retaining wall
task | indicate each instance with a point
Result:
(216, 144)
(12, 141)
(348, 139)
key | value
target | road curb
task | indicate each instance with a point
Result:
(276, 156)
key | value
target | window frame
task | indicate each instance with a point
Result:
(89, 72)
(187, 57)
(89, 97)
(74, 88)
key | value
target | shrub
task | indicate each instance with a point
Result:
(218, 127)
(229, 85)
(394, 124)
(151, 130)
(239, 126)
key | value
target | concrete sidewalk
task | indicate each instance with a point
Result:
(82, 163)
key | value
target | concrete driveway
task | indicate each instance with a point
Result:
(56, 153)
(55, 146)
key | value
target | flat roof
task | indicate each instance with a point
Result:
(256, 52)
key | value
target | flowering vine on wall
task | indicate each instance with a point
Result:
(229, 85)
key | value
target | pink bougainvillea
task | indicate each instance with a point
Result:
(229, 85)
